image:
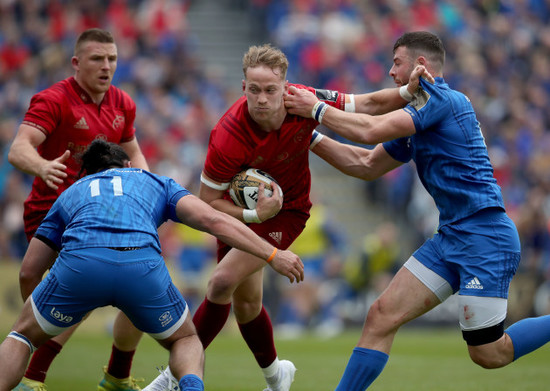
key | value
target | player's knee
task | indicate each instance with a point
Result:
(379, 319)
(221, 284)
(488, 360)
(487, 346)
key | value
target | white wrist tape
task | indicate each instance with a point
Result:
(405, 94)
(319, 110)
(251, 216)
(350, 107)
(316, 137)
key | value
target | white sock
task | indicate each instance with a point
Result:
(271, 373)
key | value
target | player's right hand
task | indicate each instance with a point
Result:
(289, 265)
(53, 172)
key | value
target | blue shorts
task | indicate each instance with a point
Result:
(137, 282)
(477, 256)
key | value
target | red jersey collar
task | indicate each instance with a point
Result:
(83, 95)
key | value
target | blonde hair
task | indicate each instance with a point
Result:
(265, 55)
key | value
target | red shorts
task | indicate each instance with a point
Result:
(280, 230)
(33, 215)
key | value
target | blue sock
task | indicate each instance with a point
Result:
(363, 368)
(191, 383)
(529, 334)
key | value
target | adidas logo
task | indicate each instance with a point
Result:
(474, 284)
(81, 124)
(277, 236)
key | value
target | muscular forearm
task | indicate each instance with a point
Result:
(379, 102)
(25, 157)
(232, 232)
(350, 160)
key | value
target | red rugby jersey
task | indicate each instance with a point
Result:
(237, 143)
(69, 118)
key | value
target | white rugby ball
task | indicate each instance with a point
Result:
(244, 187)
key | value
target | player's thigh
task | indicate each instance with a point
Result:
(405, 298)
(234, 269)
(250, 290)
(28, 326)
(149, 298)
(186, 329)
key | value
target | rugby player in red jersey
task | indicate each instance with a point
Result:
(258, 132)
(60, 123)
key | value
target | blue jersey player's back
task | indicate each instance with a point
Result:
(119, 207)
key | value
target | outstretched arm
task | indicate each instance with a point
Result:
(197, 214)
(361, 128)
(366, 164)
(24, 156)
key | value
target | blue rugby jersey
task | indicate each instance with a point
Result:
(450, 153)
(119, 207)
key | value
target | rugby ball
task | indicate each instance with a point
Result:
(244, 186)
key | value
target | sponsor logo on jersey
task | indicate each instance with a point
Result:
(60, 317)
(165, 318)
(81, 124)
(282, 156)
(276, 236)
(118, 122)
(474, 284)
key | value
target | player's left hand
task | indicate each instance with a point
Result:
(300, 101)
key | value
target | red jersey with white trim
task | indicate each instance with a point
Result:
(69, 118)
(237, 143)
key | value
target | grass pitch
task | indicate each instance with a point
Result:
(422, 359)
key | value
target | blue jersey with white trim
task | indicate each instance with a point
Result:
(119, 207)
(449, 151)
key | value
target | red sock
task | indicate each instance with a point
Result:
(258, 334)
(209, 320)
(41, 361)
(120, 363)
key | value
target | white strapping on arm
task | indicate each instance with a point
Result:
(216, 186)
(350, 107)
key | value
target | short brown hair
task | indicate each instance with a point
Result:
(423, 43)
(93, 35)
(265, 55)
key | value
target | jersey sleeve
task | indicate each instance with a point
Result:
(331, 97)
(399, 149)
(175, 192)
(53, 225)
(43, 114)
(429, 109)
(129, 130)
(228, 148)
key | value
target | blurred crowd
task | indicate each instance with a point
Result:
(498, 54)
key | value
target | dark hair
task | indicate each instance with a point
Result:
(101, 155)
(423, 43)
(93, 35)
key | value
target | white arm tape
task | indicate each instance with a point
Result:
(316, 137)
(405, 94)
(251, 216)
(350, 107)
(209, 183)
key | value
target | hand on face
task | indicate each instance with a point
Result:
(300, 101)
